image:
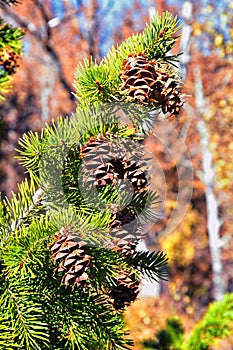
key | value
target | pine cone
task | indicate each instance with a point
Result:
(8, 59)
(124, 228)
(96, 154)
(126, 290)
(107, 162)
(147, 82)
(70, 252)
(111, 163)
(127, 249)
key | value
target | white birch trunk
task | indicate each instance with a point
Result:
(185, 40)
(213, 220)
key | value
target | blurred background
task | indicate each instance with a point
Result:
(58, 35)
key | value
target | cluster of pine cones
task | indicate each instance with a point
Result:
(111, 162)
(74, 260)
(108, 161)
(8, 60)
(149, 82)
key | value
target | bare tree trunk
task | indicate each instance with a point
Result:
(151, 9)
(213, 220)
(156, 5)
(47, 83)
(185, 41)
(92, 29)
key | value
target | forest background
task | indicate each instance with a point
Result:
(58, 35)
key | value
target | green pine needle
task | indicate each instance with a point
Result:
(150, 264)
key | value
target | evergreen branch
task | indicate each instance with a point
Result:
(31, 150)
(7, 336)
(5, 218)
(216, 324)
(106, 265)
(144, 204)
(102, 82)
(97, 119)
(88, 321)
(24, 204)
(84, 309)
(10, 37)
(140, 117)
(92, 230)
(106, 330)
(110, 327)
(160, 36)
(151, 264)
(171, 337)
(35, 204)
(5, 87)
(25, 317)
(23, 253)
(10, 49)
(96, 80)
(53, 139)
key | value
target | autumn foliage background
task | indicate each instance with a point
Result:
(59, 34)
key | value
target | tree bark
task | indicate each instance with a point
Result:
(185, 41)
(213, 220)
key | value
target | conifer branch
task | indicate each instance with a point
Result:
(216, 324)
(23, 205)
(69, 266)
(151, 264)
(10, 51)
